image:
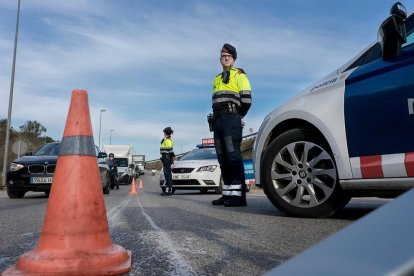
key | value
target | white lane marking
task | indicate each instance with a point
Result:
(114, 212)
(6, 260)
(248, 195)
(175, 260)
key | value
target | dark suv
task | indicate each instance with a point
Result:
(35, 171)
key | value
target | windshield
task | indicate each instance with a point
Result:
(121, 162)
(200, 154)
(48, 150)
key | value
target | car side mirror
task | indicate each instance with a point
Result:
(102, 155)
(28, 153)
(392, 32)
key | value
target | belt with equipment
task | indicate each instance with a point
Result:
(230, 109)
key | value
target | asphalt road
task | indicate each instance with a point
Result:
(184, 234)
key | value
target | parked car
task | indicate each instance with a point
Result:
(198, 169)
(35, 171)
(349, 134)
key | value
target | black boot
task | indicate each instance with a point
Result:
(236, 201)
(220, 201)
(167, 192)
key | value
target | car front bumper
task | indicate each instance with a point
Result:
(19, 182)
(195, 180)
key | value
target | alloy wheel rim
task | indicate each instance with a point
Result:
(303, 174)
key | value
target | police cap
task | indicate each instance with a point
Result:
(168, 130)
(227, 48)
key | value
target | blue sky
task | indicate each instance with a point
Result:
(150, 64)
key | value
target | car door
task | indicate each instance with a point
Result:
(379, 116)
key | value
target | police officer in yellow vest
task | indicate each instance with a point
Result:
(231, 101)
(167, 155)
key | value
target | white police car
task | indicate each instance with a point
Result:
(350, 134)
(196, 170)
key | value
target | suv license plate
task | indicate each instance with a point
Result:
(42, 180)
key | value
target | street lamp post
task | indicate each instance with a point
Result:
(100, 123)
(110, 136)
(6, 146)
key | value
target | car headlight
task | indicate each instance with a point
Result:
(210, 168)
(16, 166)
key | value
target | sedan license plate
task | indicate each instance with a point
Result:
(42, 180)
(181, 176)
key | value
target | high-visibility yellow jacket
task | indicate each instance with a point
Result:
(167, 146)
(237, 91)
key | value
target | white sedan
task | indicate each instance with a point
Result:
(197, 170)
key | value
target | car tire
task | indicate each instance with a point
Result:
(248, 187)
(107, 187)
(13, 194)
(300, 176)
(219, 189)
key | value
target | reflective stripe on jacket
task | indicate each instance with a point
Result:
(236, 91)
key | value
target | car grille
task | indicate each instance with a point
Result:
(41, 169)
(50, 168)
(36, 168)
(186, 182)
(182, 170)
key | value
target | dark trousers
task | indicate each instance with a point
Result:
(113, 173)
(166, 163)
(227, 139)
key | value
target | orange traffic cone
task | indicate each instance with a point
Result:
(133, 188)
(140, 184)
(75, 238)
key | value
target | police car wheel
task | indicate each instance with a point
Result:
(300, 176)
(219, 189)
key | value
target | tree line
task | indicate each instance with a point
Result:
(30, 133)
